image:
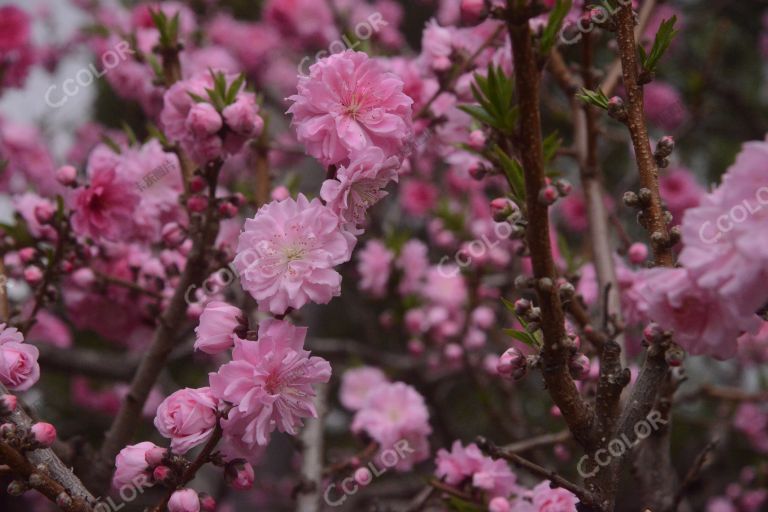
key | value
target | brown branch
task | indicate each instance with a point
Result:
(558, 481)
(204, 234)
(537, 442)
(702, 459)
(653, 214)
(555, 353)
(312, 441)
(41, 481)
(55, 468)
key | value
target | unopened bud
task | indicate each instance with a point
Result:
(239, 474)
(155, 455)
(197, 184)
(638, 252)
(63, 501)
(502, 208)
(207, 503)
(665, 146)
(522, 306)
(564, 187)
(616, 108)
(66, 175)
(512, 364)
(653, 333)
(578, 366)
(227, 210)
(476, 139)
(197, 204)
(630, 199)
(644, 195)
(674, 356)
(44, 434)
(548, 195)
(7, 404)
(161, 473)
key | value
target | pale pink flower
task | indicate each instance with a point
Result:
(187, 418)
(286, 254)
(269, 383)
(308, 20)
(105, 208)
(753, 349)
(446, 286)
(216, 330)
(50, 329)
(546, 499)
(26, 204)
(436, 45)
(703, 323)
(374, 264)
(347, 103)
(357, 384)
(486, 473)
(413, 262)
(721, 504)
(130, 463)
(359, 185)
(725, 240)
(19, 369)
(752, 421)
(680, 191)
(396, 413)
(184, 500)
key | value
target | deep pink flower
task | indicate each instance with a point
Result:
(357, 384)
(130, 463)
(216, 330)
(187, 418)
(396, 413)
(374, 263)
(359, 185)
(418, 197)
(14, 28)
(286, 254)
(269, 383)
(664, 106)
(105, 208)
(347, 103)
(680, 191)
(308, 20)
(413, 262)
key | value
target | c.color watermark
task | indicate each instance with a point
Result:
(363, 31)
(736, 215)
(128, 493)
(86, 76)
(571, 33)
(477, 248)
(350, 486)
(618, 447)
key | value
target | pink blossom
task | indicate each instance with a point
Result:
(50, 329)
(418, 197)
(413, 263)
(216, 330)
(357, 385)
(242, 116)
(446, 286)
(269, 383)
(187, 418)
(308, 20)
(547, 499)
(184, 500)
(286, 254)
(664, 106)
(359, 185)
(725, 246)
(19, 369)
(347, 103)
(14, 28)
(130, 463)
(752, 421)
(105, 208)
(753, 349)
(680, 191)
(436, 44)
(703, 323)
(396, 413)
(488, 474)
(374, 264)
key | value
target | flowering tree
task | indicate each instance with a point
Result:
(300, 262)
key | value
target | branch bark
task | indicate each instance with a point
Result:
(312, 440)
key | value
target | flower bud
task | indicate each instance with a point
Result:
(522, 306)
(33, 275)
(502, 208)
(563, 187)
(7, 404)
(161, 473)
(173, 234)
(665, 146)
(616, 108)
(227, 210)
(578, 366)
(197, 204)
(653, 333)
(44, 213)
(239, 474)
(638, 252)
(184, 500)
(512, 364)
(207, 503)
(477, 171)
(630, 199)
(197, 184)
(44, 434)
(83, 277)
(476, 139)
(674, 356)
(363, 476)
(453, 352)
(281, 192)
(155, 455)
(471, 10)
(548, 195)
(27, 254)
(499, 504)
(66, 175)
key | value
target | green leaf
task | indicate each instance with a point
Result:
(595, 98)
(556, 17)
(524, 336)
(661, 42)
(110, 142)
(495, 95)
(132, 140)
(514, 173)
(551, 144)
(459, 505)
(234, 88)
